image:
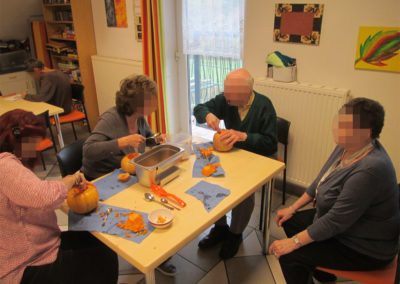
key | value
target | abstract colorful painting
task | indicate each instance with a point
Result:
(298, 23)
(378, 49)
(116, 13)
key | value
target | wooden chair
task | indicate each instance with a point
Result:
(75, 115)
(46, 143)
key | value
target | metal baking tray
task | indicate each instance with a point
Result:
(157, 166)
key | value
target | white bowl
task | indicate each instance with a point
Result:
(165, 213)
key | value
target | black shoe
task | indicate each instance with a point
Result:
(167, 268)
(216, 235)
(230, 246)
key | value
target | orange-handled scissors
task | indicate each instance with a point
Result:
(162, 192)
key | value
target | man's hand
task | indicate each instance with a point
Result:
(282, 247)
(213, 122)
(133, 140)
(23, 94)
(230, 137)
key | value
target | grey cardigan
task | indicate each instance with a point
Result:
(101, 153)
(359, 205)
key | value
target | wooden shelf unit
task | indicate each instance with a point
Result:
(79, 18)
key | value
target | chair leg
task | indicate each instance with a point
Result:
(262, 207)
(43, 163)
(73, 129)
(284, 188)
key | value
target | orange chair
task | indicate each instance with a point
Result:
(75, 115)
(387, 275)
(46, 143)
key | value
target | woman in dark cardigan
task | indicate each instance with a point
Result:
(355, 222)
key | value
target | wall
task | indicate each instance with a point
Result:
(112, 41)
(332, 62)
(14, 15)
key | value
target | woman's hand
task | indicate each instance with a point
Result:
(282, 247)
(133, 140)
(212, 122)
(163, 138)
(230, 137)
(283, 215)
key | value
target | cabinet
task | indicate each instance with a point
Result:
(17, 82)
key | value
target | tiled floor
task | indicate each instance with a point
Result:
(194, 265)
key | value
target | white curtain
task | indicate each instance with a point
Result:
(213, 27)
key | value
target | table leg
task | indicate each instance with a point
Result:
(267, 219)
(58, 129)
(150, 277)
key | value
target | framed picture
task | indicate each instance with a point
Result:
(377, 49)
(298, 23)
(116, 13)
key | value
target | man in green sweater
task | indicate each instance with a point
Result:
(250, 120)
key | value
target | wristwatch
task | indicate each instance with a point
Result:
(297, 241)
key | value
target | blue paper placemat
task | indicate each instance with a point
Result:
(210, 194)
(111, 185)
(201, 162)
(93, 222)
(205, 145)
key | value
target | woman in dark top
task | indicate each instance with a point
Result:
(355, 223)
(122, 130)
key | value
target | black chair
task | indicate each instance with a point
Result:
(283, 137)
(75, 115)
(46, 143)
(70, 158)
(283, 134)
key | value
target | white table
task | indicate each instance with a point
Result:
(245, 173)
(7, 103)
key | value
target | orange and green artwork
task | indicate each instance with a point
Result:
(378, 48)
(116, 13)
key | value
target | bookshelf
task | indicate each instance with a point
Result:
(71, 43)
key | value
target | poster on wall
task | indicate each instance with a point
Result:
(116, 13)
(298, 23)
(378, 49)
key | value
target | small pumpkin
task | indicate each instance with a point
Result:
(218, 144)
(128, 167)
(124, 177)
(83, 201)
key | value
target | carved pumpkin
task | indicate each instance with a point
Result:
(128, 167)
(83, 201)
(218, 144)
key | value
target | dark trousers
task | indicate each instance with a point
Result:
(299, 265)
(81, 259)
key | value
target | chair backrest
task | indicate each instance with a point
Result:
(283, 130)
(46, 117)
(77, 92)
(70, 158)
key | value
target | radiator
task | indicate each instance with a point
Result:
(310, 109)
(108, 73)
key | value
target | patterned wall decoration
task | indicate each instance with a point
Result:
(298, 23)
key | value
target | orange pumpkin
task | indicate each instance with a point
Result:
(128, 167)
(124, 177)
(83, 201)
(218, 144)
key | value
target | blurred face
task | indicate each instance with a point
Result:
(35, 74)
(149, 106)
(347, 132)
(237, 90)
(28, 147)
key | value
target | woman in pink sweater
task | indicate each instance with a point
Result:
(32, 248)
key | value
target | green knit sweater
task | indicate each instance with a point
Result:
(259, 123)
